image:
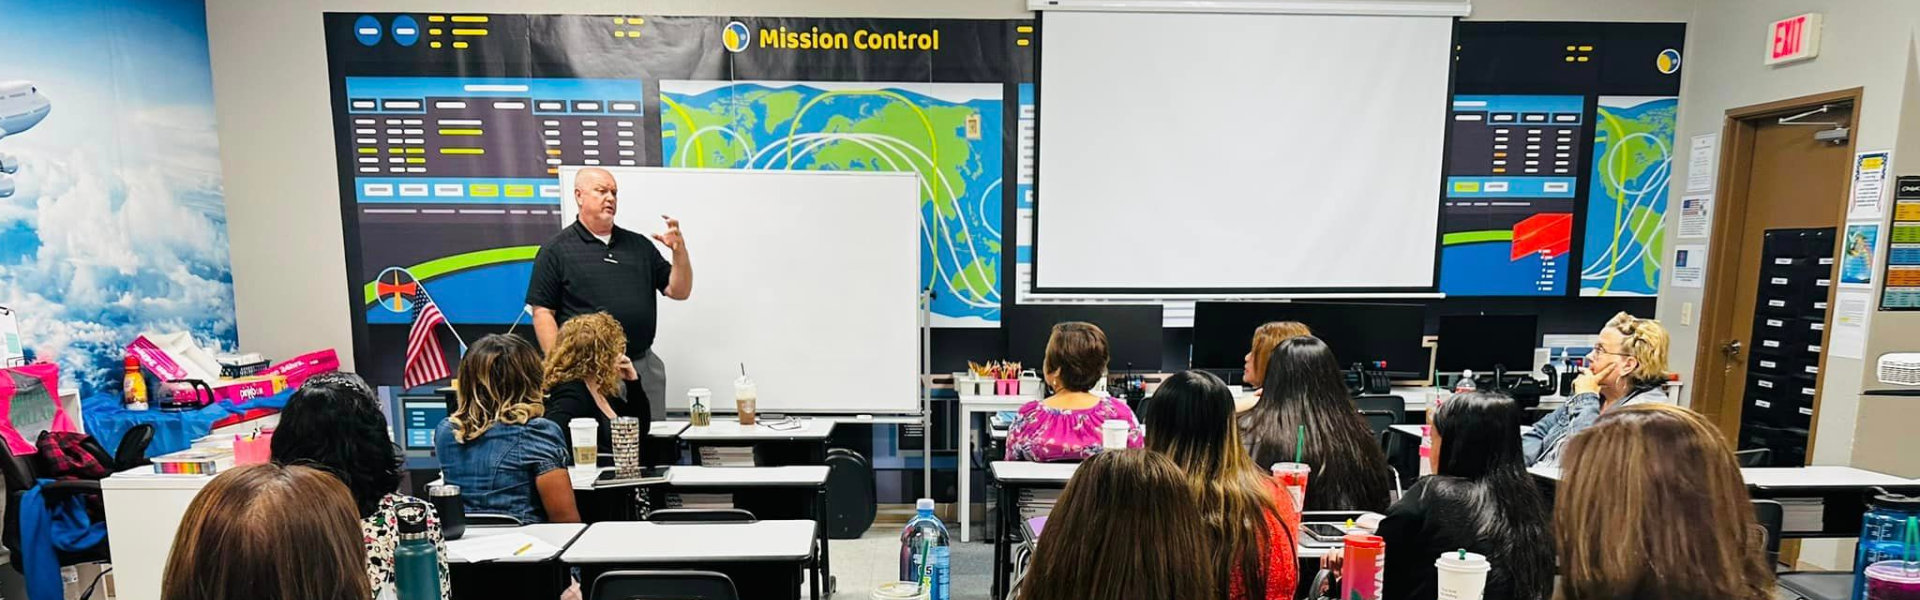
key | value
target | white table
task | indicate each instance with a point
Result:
(614, 545)
(1011, 477)
(739, 477)
(144, 510)
(969, 406)
(730, 430)
(1841, 492)
(559, 534)
(666, 429)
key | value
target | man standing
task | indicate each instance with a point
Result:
(593, 265)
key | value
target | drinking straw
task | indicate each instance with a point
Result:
(1299, 438)
(1913, 545)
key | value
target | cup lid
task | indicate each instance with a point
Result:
(1462, 560)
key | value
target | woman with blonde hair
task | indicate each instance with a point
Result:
(1254, 372)
(269, 532)
(586, 377)
(1628, 366)
(1651, 506)
(505, 458)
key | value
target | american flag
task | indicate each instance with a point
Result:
(426, 363)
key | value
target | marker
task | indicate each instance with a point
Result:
(523, 549)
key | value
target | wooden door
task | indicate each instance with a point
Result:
(1773, 177)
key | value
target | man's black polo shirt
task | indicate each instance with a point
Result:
(575, 274)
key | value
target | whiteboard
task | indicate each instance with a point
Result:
(811, 278)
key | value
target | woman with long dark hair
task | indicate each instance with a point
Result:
(334, 423)
(1249, 520)
(1125, 527)
(1304, 388)
(1479, 499)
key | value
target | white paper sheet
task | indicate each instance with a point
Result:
(1690, 266)
(1696, 215)
(1701, 168)
(495, 547)
(1869, 184)
(1849, 337)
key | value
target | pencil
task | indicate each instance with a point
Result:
(523, 549)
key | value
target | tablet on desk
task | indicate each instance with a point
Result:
(648, 476)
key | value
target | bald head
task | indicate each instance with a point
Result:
(597, 195)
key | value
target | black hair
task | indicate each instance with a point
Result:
(1483, 471)
(1305, 388)
(333, 422)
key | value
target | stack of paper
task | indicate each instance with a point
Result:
(1037, 503)
(1802, 514)
(700, 501)
(475, 549)
(726, 456)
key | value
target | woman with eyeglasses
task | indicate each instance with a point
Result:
(1628, 366)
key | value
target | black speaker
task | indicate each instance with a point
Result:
(850, 501)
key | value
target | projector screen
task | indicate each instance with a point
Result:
(1249, 153)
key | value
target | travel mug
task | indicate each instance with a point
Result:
(451, 508)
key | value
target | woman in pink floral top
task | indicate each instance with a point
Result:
(1065, 427)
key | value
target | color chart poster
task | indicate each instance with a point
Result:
(450, 129)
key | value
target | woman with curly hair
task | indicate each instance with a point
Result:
(505, 458)
(333, 423)
(586, 377)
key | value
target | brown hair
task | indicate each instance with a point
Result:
(1191, 417)
(269, 532)
(499, 383)
(1646, 341)
(1268, 336)
(1076, 356)
(1651, 498)
(1124, 528)
(589, 350)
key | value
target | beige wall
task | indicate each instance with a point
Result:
(1864, 43)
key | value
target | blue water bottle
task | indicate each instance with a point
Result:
(924, 552)
(1882, 535)
(416, 562)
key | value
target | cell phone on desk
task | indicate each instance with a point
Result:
(1326, 533)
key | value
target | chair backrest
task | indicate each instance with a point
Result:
(19, 470)
(1757, 457)
(492, 520)
(1387, 402)
(1771, 517)
(133, 447)
(1379, 421)
(701, 515)
(663, 585)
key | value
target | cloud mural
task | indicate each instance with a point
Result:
(116, 225)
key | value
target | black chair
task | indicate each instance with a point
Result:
(701, 515)
(1395, 405)
(1380, 421)
(23, 471)
(1806, 585)
(1757, 457)
(492, 520)
(663, 585)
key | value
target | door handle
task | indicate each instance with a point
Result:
(1731, 349)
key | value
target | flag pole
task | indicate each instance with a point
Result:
(449, 322)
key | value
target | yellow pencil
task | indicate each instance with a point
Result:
(523, 549)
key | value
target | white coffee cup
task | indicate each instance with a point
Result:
(1463, 575)
(1113, 434)
(586, 449)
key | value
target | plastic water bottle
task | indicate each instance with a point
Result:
(1882, 535)
(1465, 383)
(923, 552)
(416, 563)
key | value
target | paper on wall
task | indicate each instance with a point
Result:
(1849, 337)
(1690, 266)
(1869, 184)
(1696, 215)
(1856, 254)
(1700, 163)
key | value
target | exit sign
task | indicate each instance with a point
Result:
(1794, 38)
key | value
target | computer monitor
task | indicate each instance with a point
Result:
(1134, 333)
(1356, 332)
(416, 420)
(1482, 342)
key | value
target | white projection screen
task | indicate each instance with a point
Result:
(1250, 153)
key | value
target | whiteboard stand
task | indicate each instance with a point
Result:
(926, 391)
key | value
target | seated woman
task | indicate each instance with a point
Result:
(1066, 425)
(1250, 522)
(1627, 367)
(1480, 499)
(334, 423)
(586, 377)
(1126, 526)
(505, 459)
(1254, 372)
(1626, 529)
(1304, 388)
(268, 532)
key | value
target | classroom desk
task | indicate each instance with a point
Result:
(1011, 477)
(1841, 492)
(532, 575)
(726, 430)
(748, 552)
(971, 405)
(771, 489)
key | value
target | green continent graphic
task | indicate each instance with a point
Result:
(1627, 197)
(947, 133)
